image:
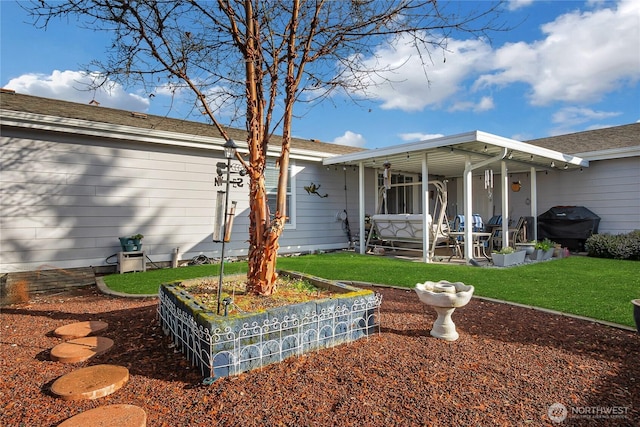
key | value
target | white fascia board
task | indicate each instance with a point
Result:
(613, 153)
(468, 137)
(403, 148)
(131, 133)
(107, 130)
(524, 147)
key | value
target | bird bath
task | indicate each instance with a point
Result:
(444, 297)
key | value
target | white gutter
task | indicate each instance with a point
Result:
(468, 137)
(131, 133)
(612, 153)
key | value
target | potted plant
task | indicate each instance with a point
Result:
(543, 250)
(528, 247)
(508, 256)
(131, 243)
(636, 313)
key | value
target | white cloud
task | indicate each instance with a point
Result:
(418, 136)
(518, 4)
(574, 115)
(485, 104)
(572, 119)
(583, 56)
(351, 139)
(407, 88)
(73, 86)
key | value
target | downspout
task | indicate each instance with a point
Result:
(468, 200)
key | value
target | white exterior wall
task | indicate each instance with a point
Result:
(608, 188)
(66, 199)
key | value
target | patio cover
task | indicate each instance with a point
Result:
(455, 156)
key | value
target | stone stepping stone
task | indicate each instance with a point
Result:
(109, 416)
(80, 349)
(91, 382)
(80, 329)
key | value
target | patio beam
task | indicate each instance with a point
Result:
(426, 228)
(505, 203)
(534, 201)
(361, 208)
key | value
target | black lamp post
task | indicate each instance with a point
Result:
(229, 151)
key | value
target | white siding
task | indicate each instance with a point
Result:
(317, 223)
(609, 188)
(66, 200)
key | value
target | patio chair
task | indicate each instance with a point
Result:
(517, 234)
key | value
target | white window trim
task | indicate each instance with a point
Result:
(292, 213)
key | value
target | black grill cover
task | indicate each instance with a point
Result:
(570, 226)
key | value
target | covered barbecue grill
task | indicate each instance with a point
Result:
(570, 226)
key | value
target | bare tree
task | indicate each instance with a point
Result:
(262, 57)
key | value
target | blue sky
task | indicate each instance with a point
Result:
(567, 66)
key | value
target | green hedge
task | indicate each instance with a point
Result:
(620, 246)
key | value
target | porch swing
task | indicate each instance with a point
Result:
(393, 229)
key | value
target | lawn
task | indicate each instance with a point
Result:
(592, 287)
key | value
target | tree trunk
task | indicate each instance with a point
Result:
(263, 232)
(263, 244)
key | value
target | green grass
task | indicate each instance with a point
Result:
(149, 282)
(592, 287)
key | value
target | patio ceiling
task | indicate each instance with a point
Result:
(446, 156)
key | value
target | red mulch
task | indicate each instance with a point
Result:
(508, 366)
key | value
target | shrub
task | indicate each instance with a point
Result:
(545, 245)
(506, 250)
(619, 246)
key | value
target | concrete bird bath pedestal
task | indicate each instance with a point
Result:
(444, 297)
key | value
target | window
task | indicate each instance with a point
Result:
(271, 184)
(400, 195)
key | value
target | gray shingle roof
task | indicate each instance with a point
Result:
(579, 142)
(593, 140)
(73, 110)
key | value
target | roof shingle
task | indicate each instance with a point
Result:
(73, 110)
(593, 140)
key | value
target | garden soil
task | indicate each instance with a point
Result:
(511, 366)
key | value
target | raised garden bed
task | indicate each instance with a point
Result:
(228, 345)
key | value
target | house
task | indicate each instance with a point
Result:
(490, 175)
(76, 177)
(610, 187)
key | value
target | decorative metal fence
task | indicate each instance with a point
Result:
(238, 347)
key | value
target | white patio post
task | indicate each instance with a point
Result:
(505, 203)
(534, 201)
(426, 226)
(361, 210)
(468, 207)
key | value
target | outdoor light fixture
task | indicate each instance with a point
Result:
(511, 155)
(553, 164)
(230, 148)
(566, 166)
